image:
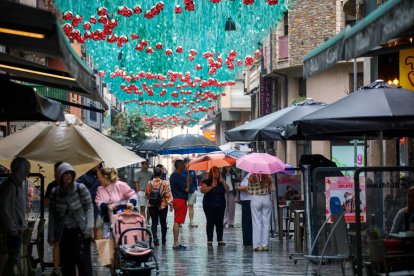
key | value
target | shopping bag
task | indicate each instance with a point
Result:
(237, 197)
(106, 252)
(97, 233)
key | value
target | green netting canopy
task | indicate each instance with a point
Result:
(170, 60)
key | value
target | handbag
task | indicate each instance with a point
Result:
(237, 197)
(106, 252)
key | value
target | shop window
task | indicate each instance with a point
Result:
(302, 87)
(92, 115)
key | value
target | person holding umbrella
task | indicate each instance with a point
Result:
(159, 198)
(214, 204)
(261, 166)
(231, 179)
(261, 206)
(180, 187)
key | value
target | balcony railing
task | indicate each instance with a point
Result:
(283, 47)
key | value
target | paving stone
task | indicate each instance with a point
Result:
(231, 259)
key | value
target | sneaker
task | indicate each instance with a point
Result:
(265, 248)
(156, 242)
(221, 243)
(231, 226)
(179, 247)
(259, 248)
(210, 243)
(193, 225)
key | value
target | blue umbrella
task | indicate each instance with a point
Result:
(186, 144)
(234, 153)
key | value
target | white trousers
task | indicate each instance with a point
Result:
(261, 207)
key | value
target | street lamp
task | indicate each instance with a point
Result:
(230, 25)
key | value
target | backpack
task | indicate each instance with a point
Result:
(155, 195)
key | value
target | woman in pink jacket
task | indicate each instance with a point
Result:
(111, 194)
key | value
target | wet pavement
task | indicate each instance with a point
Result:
(231, 259)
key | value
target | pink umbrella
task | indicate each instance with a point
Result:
(262, 163)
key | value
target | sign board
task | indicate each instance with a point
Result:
(265, 96)
(289, 187)
(407, 69)
(341, 189)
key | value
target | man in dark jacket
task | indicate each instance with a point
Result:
(12, 220)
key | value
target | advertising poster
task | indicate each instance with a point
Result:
(340, 191)
(288, 188)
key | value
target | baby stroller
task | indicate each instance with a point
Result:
(133, 244)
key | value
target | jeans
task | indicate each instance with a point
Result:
(247, 228)
(10, 254)
(230, 208)
(75, 251)
(261, 207)
(215, 217)
(161, 215)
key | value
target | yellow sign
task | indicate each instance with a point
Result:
(210, 135)
(407, 69)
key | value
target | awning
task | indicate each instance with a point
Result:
(29, 29)
(388, 21)
(21, 103)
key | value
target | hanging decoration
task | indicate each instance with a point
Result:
(170, 61)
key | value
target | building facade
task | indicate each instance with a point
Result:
(280, 73)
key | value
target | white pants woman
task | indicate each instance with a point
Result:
(261, 207)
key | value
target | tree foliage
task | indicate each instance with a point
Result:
(128, 128)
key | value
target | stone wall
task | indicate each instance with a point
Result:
(311, 23)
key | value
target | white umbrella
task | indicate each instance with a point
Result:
(46, 143)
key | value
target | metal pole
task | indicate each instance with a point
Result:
(355, 153)
(381, 137)
(307, 190)
(365, 151)
(355, 89)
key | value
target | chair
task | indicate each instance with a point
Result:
(294, 206)
(39, 243)
(339, 233)
(380, 260)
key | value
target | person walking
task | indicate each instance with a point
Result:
(159, 198)
(259, 189)
(214, 204)
(230, 177)
(12, 220)
(90, 180)
(142, 178)
(245, 199)
(192, 196)
(71, 222)
(180, 187)
(111, 194)
(164, 172)
(55, 249)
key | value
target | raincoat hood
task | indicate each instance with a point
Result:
(62, 169)
(20, 169)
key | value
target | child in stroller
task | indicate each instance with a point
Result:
(133, 243)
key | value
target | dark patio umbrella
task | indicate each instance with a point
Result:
(188, 143)
(151, 145)
(271, 127)
(375, 109)
(21, 103)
